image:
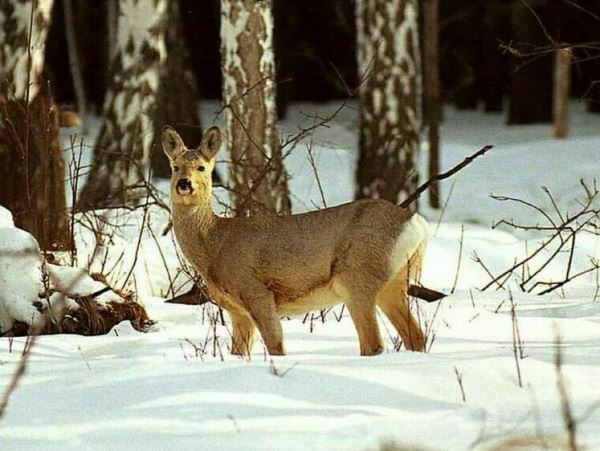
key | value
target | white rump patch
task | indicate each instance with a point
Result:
(413, 234)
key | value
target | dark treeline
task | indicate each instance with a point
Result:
(490, 51)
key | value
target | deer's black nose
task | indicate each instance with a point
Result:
(184, 185)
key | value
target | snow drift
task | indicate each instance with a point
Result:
(39, 297)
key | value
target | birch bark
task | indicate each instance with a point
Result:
(389, 98)
(258, 177)
(122, 151)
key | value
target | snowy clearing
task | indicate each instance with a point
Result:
(177, 387)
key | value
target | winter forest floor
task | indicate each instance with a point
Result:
(177, 387)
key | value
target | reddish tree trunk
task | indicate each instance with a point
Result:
(32, 176)
(562, 91)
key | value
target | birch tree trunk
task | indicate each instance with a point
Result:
(122, 151)
(32, 175)
(390, 98)
(258, 177)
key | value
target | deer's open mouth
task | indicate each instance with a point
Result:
(184, 187)
(184, 191)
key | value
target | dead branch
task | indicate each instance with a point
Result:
(414, 196)
(425, 294)
(195, 296)
(563, 231)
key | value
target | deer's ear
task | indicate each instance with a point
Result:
(211, 142)
(172, 143)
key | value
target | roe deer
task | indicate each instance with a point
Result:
(259, 268)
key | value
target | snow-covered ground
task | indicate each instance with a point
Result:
(177, 387)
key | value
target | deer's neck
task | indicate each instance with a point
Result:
(197, 234)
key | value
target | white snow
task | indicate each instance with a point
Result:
(6, 218)
(177, 387)
(21, 279)
(20, 273)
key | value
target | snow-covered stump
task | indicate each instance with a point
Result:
(32, 175)
(390, 98)
(122, 150)
(37, 297)
(258, 177)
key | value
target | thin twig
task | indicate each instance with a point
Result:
(460, 384)
(460, 250)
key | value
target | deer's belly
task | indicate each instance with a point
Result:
(317, 299)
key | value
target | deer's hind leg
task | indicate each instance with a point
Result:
(360, 300)
(365, 321)
(392, 299)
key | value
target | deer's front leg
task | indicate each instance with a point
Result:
(242, 335)
(264, 313)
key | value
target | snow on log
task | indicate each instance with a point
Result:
(37, 297)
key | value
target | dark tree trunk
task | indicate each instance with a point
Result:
(390, 99)
(495, 63)
(588, 72)
(431, 74)
(178, 96)
(201, 22)
(258, 176)
(89, 27)
(531, 77)
(122, 151)
(592, 94)
(466, 92)
(74, 61)
(461, 51)
(286, 24)
(32, 176)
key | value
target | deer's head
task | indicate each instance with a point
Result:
(191, 170)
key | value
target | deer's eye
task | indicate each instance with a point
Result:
(175, 168)
(201, 168)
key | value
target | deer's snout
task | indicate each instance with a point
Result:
(184, 186)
